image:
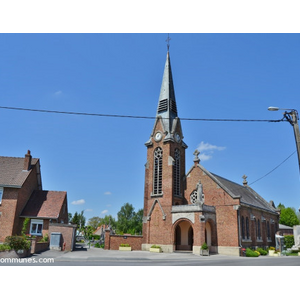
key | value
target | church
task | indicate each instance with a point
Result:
(183, 211)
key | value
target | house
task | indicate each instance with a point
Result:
(182, 211)
(22, 196)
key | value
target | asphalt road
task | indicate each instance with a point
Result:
(99, 257)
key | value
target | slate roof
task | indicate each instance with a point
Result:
(246, 194)
(11, 171)
(44, 204)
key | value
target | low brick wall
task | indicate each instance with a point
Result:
(37, 247)
(112, 242)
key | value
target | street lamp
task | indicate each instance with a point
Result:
(291, 115)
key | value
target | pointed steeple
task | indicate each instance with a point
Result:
(167, 108)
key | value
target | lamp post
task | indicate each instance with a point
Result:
(291, 115)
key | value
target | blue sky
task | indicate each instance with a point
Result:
(100, 161)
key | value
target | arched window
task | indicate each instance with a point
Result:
(243, 228)
(176, 172)
(194, 197)
(247, 228)
(268, 230)
(157, 176)
(258, 230)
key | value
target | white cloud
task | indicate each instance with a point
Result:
(88, 209)
(204, 157)
(78, 202)
(103, 212)
(207, 150)
(107, 193)
(57, 93)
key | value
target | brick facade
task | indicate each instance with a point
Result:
(68, 235)
(210, 209)
(23, 197)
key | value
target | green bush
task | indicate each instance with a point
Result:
(45, 239)
(4, 247)
(262, 251)
(98, 245)
(251, 253)
(124, 245)
(17, 242)
(204, 246)
(289, 241)
(155, 246)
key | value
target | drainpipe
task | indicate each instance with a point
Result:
(237, 207)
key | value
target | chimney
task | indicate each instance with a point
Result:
(27, 161)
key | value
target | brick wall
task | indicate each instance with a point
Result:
(112, 242)
(67, 232)
(7, 212)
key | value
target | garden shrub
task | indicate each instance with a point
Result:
(124, 245)
(204, 246)
(17, 242)
(4, 247)
(289, 241)
(251, 253)
(155, 246)
(262, 251)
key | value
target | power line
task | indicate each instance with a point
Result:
(130, 116)
(274, 168)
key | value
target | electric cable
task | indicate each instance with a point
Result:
(131, 116)
(274, 168)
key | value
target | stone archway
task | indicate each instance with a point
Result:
(184, 236)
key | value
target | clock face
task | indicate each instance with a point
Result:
(177, 137)
(158, 136)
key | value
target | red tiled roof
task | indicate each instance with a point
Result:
(44, 204)
(11, 171)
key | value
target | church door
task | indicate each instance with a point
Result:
(184, 236)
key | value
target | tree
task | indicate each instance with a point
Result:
(129, 221)
(288, 216)
(79, 220)
(95, 222)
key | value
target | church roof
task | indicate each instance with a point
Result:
(245, 193)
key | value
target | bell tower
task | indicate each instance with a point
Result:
(165, 168)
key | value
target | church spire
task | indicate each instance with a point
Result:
(167, 108)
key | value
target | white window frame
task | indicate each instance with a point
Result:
(1, 194)
(34, 224)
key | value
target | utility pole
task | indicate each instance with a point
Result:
(292, 117)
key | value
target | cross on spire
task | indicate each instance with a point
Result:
(168, 42)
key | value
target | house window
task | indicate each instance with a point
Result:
(157, 176)
(36, 227)
(176, 173)
(1, 194)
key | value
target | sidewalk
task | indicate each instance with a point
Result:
(92, 253)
